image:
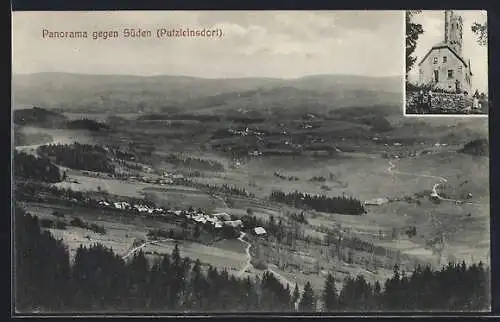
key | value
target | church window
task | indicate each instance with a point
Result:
(450, 73)
(435, 60)
(444, 59)
(460, 68)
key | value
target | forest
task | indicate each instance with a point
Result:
(78, 156)
(334, 205)
(478, 147)
(100, 280)
(201, 164)
(87, 124)
(31, 167)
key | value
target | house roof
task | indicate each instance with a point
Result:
(443, 45)
(259, 230)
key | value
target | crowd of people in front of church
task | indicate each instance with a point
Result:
(427, 102)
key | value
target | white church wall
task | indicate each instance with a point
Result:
(435, 62)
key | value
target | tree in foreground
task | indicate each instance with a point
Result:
(330, 299)
(307, 302)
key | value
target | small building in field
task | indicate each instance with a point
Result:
(259, 231)
(376, 202)
(234, 223)
(222, 216)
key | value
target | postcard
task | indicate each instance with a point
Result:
(237, 162)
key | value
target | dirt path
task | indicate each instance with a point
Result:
(283, 280)
(133, 250)
(435, 192)
(248, 264)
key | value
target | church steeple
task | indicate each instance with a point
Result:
(453, 31)
(446, 25)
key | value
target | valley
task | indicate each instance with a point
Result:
(424, 201)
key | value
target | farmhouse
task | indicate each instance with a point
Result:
(259, 231)
(222, 216)
(121, 205)
(234, 223)
(443, 65)
(255, 153)
(376, 202)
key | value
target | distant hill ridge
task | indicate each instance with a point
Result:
(44, 118)
(123, 93)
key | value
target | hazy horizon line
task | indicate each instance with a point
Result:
(207, 78)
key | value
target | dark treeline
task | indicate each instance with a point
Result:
(28, 166)
(200, 233)
(456, 287)
(38, 116)
(192, 117)
(78, 222)
(338, 205)
(124, 155)
(78, 156)
(87, 124)
(479, 147)
(202, 164)
(216, 189)
(101, 280)
(37, 191)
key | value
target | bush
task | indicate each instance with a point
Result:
(97, 229)
(160, 233)
(58, 214)
(60, 224)
(77, 222)
(46, 223)
(260, 265)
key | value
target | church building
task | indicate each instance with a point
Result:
(443, 65)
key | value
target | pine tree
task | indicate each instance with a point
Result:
(330, 294)
(196, 286)
(307, 302)
(137, 280)
(295, 296)
(377, 291)
(176, 279)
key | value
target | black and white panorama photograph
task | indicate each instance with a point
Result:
(207, 162)
(446, 63)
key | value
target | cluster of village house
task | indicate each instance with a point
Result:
(217, 220)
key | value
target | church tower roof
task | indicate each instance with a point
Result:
(453, 25)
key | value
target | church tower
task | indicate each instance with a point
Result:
(453, 25)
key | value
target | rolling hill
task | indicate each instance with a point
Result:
(95, 93)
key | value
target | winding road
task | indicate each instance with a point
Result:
(435, 192)
(283, 280)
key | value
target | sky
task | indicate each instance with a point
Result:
(433, 25)
(254, 43)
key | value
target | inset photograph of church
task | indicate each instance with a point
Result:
(446, 63)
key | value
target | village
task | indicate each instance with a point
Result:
(216, 220)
